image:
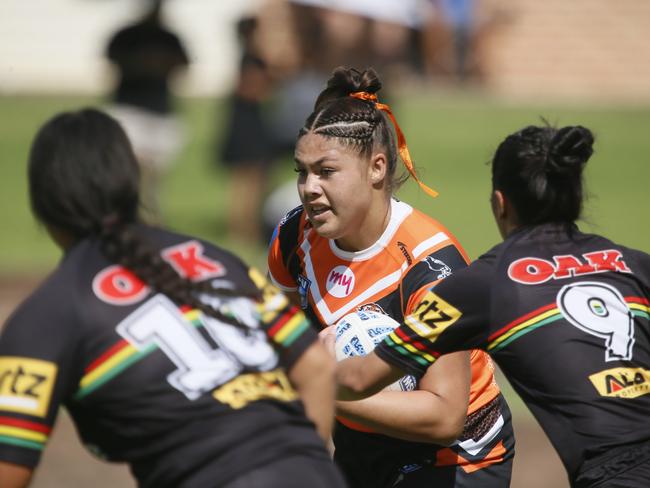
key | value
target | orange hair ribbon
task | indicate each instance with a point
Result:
(401, 140)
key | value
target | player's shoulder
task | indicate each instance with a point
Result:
(198, 259)
(419, 226)
(51, 304)
(288, 230)
(293, 217)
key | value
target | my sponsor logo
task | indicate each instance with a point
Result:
(532, 271)
(622, 382)
(26, 385)
(340, 282)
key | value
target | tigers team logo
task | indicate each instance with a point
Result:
(371, 307)
(440, 268)
(340, 282)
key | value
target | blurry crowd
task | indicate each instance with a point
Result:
(288, 48)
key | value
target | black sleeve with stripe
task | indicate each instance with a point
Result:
(462, 300)
(436, 266)
(288, 234)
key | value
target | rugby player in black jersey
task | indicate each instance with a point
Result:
(169, 353)
(565, 314)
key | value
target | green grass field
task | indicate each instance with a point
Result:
(450, 137)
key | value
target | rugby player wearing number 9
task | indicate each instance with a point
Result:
(357, 334)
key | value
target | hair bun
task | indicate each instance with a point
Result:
(346, 80)
(570, 149)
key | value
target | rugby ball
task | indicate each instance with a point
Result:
(357, 334)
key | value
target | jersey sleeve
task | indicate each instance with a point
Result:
(38, 372)
(282, 250)
(432, 268)
(286, 325)
(453, 316)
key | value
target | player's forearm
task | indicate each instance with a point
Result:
(361, 377)
(313, 377)
(14, 475)
(419, 416)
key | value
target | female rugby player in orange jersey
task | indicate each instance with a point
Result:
(352, 246)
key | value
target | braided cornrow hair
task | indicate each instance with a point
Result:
(84, 180)
(355, 123)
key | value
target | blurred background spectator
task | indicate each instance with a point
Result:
(147, 54)
(247, 147)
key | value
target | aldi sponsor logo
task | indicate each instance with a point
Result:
(622, 382)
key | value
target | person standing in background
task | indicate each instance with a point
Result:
(147, 54)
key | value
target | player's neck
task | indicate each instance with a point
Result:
(372, 227)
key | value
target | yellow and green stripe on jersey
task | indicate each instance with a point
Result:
(639, 307)
(23, 433)
(416, 337)
(285, 329)
(119, 357)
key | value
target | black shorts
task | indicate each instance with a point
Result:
(624, 467)
(292, 472)
(414, 465)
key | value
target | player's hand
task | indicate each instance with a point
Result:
(327, 337)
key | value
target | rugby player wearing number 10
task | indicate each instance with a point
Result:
(566, 315)
(169, 353)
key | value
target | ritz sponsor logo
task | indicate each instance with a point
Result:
(622, 382)
(340, 282)
(433, 315)
(26, 385)
(532, 271)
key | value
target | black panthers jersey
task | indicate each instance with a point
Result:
(187, 400)
(566, 317)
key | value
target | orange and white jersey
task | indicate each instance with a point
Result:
(413, 253)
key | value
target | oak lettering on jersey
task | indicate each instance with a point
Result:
(119, 286)
(533, 271)
(189, 261)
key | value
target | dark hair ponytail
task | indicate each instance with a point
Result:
(540, 170)
(83, 180)
(355, 123)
